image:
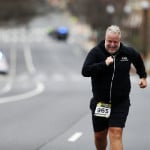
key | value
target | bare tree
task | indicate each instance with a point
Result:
(96, 14)
(21, 11)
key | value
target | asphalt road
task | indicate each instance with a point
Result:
(44, 101)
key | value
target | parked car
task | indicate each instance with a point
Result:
(60, 33)
(4, 67)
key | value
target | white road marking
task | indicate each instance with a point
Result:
(6, 88)
(31, 69)
(13, 58)
(75, 137)
(28, 59)
(39, 89)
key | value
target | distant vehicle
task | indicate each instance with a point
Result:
(4, 68)
(60, 33)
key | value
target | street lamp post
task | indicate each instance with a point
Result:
(126, 24)
(110, 9)
(145, 7)
(127, 9)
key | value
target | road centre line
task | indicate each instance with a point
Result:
(75, 137)
(39, 89)
(31, 69)
(28, 59)
(6, 88)
(13, 63)
(12, 72)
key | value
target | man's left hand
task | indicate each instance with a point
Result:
(143, 83)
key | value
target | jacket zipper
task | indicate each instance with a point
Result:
(113, 75)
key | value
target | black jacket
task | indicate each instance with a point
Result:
(112, 83)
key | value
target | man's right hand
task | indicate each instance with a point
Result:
(109, 60)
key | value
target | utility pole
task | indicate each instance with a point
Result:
(145, 7)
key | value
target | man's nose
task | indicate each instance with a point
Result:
(112, 44)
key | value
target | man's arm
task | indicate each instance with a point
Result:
(91, 67)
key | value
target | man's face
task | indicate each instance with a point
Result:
(112, 42)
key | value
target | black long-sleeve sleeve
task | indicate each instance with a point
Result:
(91, 66)
(139, 64)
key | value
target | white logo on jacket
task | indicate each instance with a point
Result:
(124, 58)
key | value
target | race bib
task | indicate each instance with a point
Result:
(103, 110)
